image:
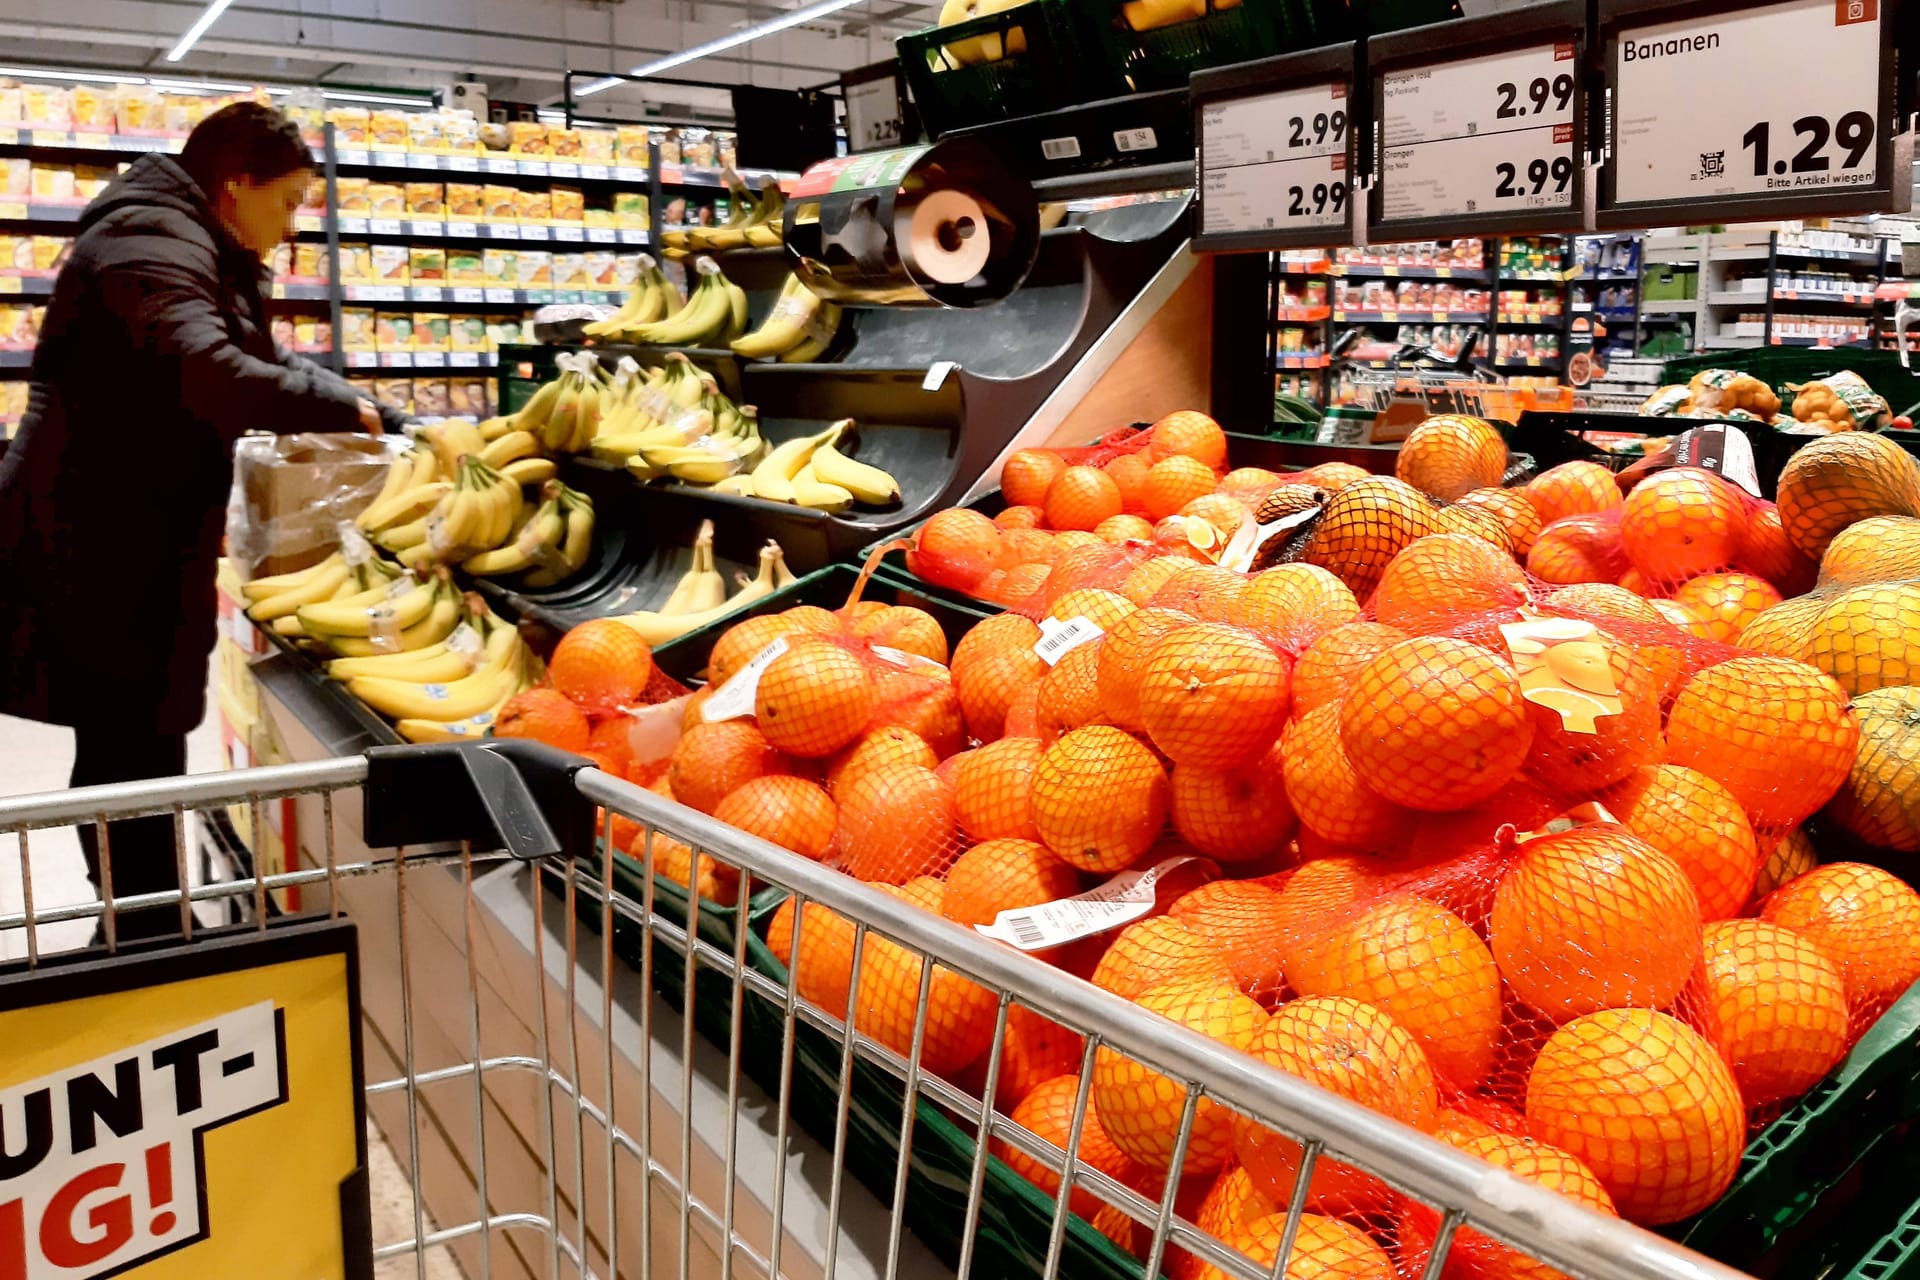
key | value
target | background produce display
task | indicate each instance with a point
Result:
(1492, 800)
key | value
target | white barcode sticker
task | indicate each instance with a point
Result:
(1058, 639)
(735, 698)
(1060, 148)
(901, 658)
(466, 642)
(401, 585)
(354, 547)
(1120, 901)
(1141, 139)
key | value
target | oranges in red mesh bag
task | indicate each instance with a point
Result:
(1450, 455)
(1047, 1112)
(1777, 733)
(1681, 523)
(1364, 526)
(1444, 580)
(1572, 489)
(1435, 723)
(1213, 696)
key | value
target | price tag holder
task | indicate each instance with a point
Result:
(501, 295)
(463, 359)
(1700, 128)
(469, 295)
(1482, 130)
(463, 230)
(464, 164)
(1275, 147)
(564, 169)
(602, 235)
(572, 233)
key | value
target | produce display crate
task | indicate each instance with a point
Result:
(1061, 65)
(1163, 57)
(1779, 366)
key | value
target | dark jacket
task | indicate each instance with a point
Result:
(154, 358)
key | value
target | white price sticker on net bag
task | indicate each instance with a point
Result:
(735, 698)
(1120, 901)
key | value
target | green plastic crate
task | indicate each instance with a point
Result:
(1163, 57)
(1061, 65)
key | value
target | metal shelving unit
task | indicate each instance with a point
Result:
(1780, 255)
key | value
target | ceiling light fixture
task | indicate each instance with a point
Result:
(746, 35)
(103, 77)
(198, 86)
(198, 29)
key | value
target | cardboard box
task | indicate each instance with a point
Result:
(293, 491)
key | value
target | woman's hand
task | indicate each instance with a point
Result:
(370, 420)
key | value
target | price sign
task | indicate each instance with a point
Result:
(426, 293)
(462, 230)
(534, 168)
(396, 360)
(1487, 141)
(501, 164)
(570, 233)
(384, 226)
(352, 156)
(629, 173)
(353, 226)
(598, 171)
(1275, 161)
(564, 169)
(429, 359)
(469, 295)
(1698, 121)
(500, 295)
(534, 231)
(603, 235)
(464, 164)
(464, 359)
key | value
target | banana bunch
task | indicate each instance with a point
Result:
(552, 541)
(564, 415)
(812, 472)
(715, 314)
(278, 600)
(756, 220)
(479, 514)
(798, 330)
(450, 441)
(653, 299)
(700, 597)
(398, 689)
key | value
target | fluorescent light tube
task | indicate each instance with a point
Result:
(105, 77)
(746, 35)
(198, 29)
(198, 86)
(375, 99)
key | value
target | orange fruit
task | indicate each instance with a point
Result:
(613, 740)
(1364, 526)
(790, 812)
(1778, 734)
(1727, 601)
(1327, 666)
(1242, 918)
(1099, 798)
(1231, 1202)
(1572, 489)
(960, 1014)
(896, 824)
(1188, 433)
(990, 663)
(923, 702)
(824, 967)
(1519, 517)
(1323, 1249)
(1047, 1112)
(1129, 472)
(1080, 498)
(1034, 1049)
(1016, 587)
(1685, 619)
(1153, 952)
(715, 881)
(1877, 803)
(1768, 553)
(905, 628)
(544, 715)
(1594, 918)
(887, 745)
(1172, 482)
(1209, 592)
(1473, 522)
(1250, 484)
(1070, 693)
(1123, 655)
(1645, 1102)
(1446, 578)
(1775, 1006)
(1019, 520)
(1326, 793)
(1791, 857)
(1145, 579)
(1026, 547)
(1105, 609)
(1865, 638)
(1864, 920)
(1475, 1256)
(1239, 814)
(1353, 1049)
(1877, 549)
(1420, 964)
(691, 713)
(1028, 473)
(814, 699)
(1435, 724)
(1604, 602)
(955, 548)
(999, 875)
(1681, 523)
(713, 760)
(1696, 822)
(1140, 1109)
(1323, 889)
(744, 641)
(1213, 696)
(1223, 511)
(991, 786)
(1450, 455)
(1837, 481)
(1124, 528)
(1292, 605)
(1569, 761)
(1578, 549)
(601, 665)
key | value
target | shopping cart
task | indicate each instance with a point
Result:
(650, 1155)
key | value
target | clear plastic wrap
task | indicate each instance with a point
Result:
(290, 494)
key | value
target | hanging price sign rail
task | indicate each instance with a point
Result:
(1275, 146)
(1482, 126)
(1724, 111)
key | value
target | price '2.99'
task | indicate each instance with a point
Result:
(1319, 198)
(1324, 127)
(1854, 131)
(1539, 173)
(1558, 90)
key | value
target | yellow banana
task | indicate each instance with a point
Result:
(511, 447)
(409, 504)
(360, 617)
(472, 729)
(539, 538)
(448, 609)
(438, 667)
(530, 471)
(658, 628)
(497, 678)
(773, 478)
(578, 545)
(493, 428)
(534, 414)
(868, 484)
(313, 590)
(810, 491)
(261, 588)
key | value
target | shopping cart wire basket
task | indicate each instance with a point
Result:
(611, 1176)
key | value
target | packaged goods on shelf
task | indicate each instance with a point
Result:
(533, 269)
(567, 204)
(497, 203)
(358, 331)
(351, 195)
(630, 210)
(465, 200)
(469, 397)
(393, 331)
(351, 125)
(500, 268)
(533, 206)
(1466, 254)
(16, 176)
(468, 333)
(427, 264)
(390, 263)
(465, 267)
(310, 262)
(386, 199)
(630, 144)
(431, 397)
(426, 199)
(356, 263)
(396, 392)
(527, 137)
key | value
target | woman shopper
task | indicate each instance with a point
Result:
(154, 358)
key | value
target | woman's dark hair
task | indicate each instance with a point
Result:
(243, 140)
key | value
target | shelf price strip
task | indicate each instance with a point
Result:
(1277, 163)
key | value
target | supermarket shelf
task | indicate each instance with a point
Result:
(1657, 305)
(1521, 322)
(1737, 298)
(1317, 360)
(1727, 342)
(111, 143)
(1758, 253)
(471, 296)
(1863, 298)
(451, 360)
(1300, 315)
(40, 211)
(1409, 273)
(1856, 343)
(1411, 317)
(11, 359)
(500, 233)
(1612, 276)
(1528, 362)
(1538, 277)
(1582, 308)
(30, 286)
(495, 165)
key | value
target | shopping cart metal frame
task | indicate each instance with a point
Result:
(533, 811)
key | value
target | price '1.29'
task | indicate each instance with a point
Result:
(1853, 131)
(1319, 198)
(1539, 173)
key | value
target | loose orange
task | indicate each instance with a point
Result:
(1028, 473)
(1778, 734)
(955, 548)
(1292, 605)
(814, 699)
(1728, 601)
(1070, 693)
(1035, 1049)
(1099, 798)
(1213, 696)
(1450, 455)
(1080, 498)
(1172, 482)
(991, 661)
(991, 786)
(1475, 1256)
(1572, 489)
(1435, 724)
(1326, 793)
(1594, 918)
(1326, 668)
(1129, 472)
(1353, 1049)
(601, 665)
(1519, 517)
(1235, 815)
(960, 1014)
(1190, 433)
(1047, 1113)
(1153, 952)
(1442, 580)
(790, 812)
(1122, 663)
(1243, 918)
(1323, 1249)
(1140, 1108)
(1696, 822)
(1864, 920)
(1775, 1006)
(896, 823)
(1000, 875)
(712, 760)
(1364, 526)
(544, 715)
(1419, 963)
(1647, 1104)
(1681, 523)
